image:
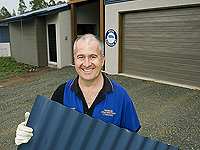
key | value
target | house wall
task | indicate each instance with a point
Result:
(65, 38)
(41, 41)
(28, 41)
(52, 19)
(112, 22)
(23, 41)
(5, 49)
(16, 41)
(62, 20)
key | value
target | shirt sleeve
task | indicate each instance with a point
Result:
(130, 119)
(59, 94)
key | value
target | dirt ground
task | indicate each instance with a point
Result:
(24, 77)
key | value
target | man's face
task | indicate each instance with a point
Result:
(88, 61)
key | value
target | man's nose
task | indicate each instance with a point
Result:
(87, 62)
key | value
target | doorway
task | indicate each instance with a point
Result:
(52, 42)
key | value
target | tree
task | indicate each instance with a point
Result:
(38, 4)
(51, 3)
(13, 14)
(60, 2)
(4, 13)
(22, 7)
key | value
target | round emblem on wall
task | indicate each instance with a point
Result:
(111, 37)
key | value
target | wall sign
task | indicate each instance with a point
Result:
(111, 37)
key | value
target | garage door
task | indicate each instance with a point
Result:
(162, 45)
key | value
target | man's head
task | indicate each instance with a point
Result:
(90, 37)
(89, 57)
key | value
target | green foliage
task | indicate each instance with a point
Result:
(38, 4)
(13, 14)
(51, 3)
(60, 2)
(8, 67)
(22, 7)
(35, 5)
(4, 13)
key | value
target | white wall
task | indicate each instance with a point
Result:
(5, 49)
(112, 22)
(53, 19)
(62, 21)
(64, 30)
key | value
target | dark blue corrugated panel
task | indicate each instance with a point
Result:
(114, 1)
(4, 34)
(36, 13)
(57, 127)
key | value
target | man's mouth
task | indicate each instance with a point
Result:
(87, 70)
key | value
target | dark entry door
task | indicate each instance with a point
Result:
(52, 42)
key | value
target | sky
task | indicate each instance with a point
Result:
(14, 4)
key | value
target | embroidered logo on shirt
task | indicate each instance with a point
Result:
(107, 112)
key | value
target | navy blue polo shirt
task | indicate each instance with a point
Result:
(112, 104)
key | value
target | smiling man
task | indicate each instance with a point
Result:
(91, 92)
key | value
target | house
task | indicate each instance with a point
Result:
(148, 39)
(156, 40)
(4, 40)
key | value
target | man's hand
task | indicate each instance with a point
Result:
(23, 133)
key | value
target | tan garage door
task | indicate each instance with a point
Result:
(163, 45)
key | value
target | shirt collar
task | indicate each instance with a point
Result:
(107, 87)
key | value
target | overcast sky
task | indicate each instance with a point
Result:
(14, 4)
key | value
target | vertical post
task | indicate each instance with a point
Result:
(102, 21)
(120, 44)
(102, 25)
(74, 27)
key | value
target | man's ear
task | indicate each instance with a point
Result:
(103, 60)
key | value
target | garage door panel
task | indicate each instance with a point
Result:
(164, 49)
(166, 14)
(128, 59)
(151, 64)
(178, 37)
(151, 54)
(166, 77)
(164, 67)
(163, 75)
(184, 47)
(162, 43)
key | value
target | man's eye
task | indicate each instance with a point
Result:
(80, 57)
(93, 56)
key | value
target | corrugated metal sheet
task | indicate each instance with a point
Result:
(36, 13)
(57, 127)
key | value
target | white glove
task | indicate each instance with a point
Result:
(23, 133)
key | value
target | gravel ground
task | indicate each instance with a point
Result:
(167, 113)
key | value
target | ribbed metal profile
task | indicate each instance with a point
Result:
(57, 127)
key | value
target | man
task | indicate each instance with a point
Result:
(91, 92)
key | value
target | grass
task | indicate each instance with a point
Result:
(8, 67)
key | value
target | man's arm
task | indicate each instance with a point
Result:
(59, 94)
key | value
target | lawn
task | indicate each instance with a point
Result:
(8, 67)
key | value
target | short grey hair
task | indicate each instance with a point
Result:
(90, 37)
